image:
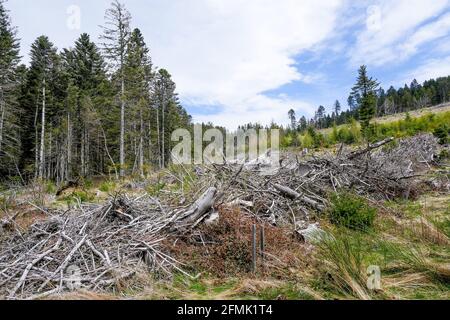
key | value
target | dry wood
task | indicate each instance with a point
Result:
(115, 240)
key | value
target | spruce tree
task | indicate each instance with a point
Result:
(85, 69)
(293, 119)
(337, 108)
(364, 90)
(164, 97)
(9, 113)
(138, 74)
(116, 37)
(37, 102)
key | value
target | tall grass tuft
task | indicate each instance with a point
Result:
(341, 265)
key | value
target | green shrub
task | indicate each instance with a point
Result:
(444, 155)
(82, 196)
(442, 132)
(351, 211)
(307, 141)
(50, 187)
(409, 126)
(346, 136)
(155, 189)
(107, 186)
(317, 138)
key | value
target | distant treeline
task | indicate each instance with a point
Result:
(381, 103)
(408, 98)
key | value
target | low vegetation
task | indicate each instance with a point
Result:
(350, 134)
(351, 211)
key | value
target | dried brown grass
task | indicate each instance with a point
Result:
(224, 249)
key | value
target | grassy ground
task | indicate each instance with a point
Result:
(400, 116)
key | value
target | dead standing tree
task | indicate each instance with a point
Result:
(116, 36)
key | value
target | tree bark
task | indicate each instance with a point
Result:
(159, 136)
(2, 116)
(69, 148)
(200, 207)
(141, 145)
(122, 127)
(42, 147)
(163, 133)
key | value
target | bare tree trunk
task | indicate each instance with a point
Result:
(163, 135)
(83, 165)
(36, 142)
(150, 151)
(49, 157)
(109, 155)
(87, 152)
(69, 147)
(122, 127)
(2, 116)
(42, 148)
(141, 145)
(159, 137)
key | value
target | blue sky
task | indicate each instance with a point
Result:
(239, 61)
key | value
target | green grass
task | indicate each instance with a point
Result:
(436, 123)
(107, 186)
(79, 195)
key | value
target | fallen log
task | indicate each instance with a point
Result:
(201, 207)
(294, 195)
(370, 148)
(68, 185)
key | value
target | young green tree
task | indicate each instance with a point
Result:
(364, 90)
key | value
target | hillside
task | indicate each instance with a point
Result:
(442, 108)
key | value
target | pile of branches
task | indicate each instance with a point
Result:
(299, 189)
(94, 247)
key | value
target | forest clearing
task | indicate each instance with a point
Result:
(222, 179)
(186, 232)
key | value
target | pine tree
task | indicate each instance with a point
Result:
(303, 124)
(320, 116)
(9, 113)
(164, 95)
(36, 103)
(293, 119)
(116, 36)
(337, 108)
(85, 69)
(139, 78)
(364, 89)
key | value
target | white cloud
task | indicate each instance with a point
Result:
(228, 53)
(396, 38)
(430, 69)
(432, 31)
(258, 108)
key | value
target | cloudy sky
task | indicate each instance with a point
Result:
(240, 61)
